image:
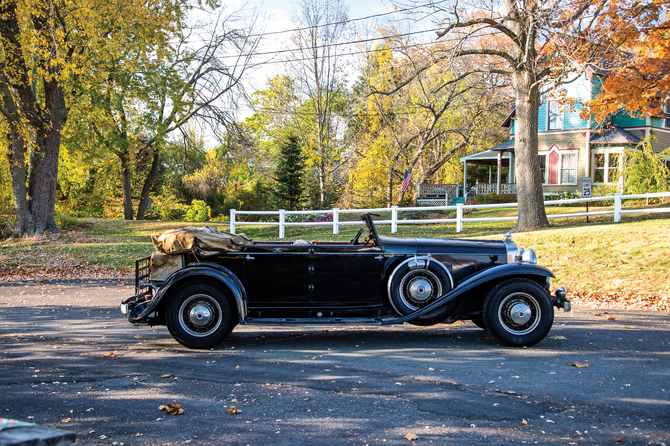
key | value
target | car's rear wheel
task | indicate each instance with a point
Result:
(199, 315)
(519, 312)
(413, 286)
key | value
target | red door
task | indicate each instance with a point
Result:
(553, 168)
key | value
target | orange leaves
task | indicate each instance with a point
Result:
(109, 355)
(411, 436)
(234, 411)
(171, 409)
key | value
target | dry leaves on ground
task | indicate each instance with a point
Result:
(411, 436)
(172, 409)
(234, 411)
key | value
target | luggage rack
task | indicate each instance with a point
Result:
(143, 288)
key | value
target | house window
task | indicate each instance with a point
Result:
(666, 120)
(543, 168)
(605, 167)
(569, 169)
(555, 116)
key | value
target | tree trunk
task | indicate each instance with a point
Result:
(148, 184)
(528, 176)
(43, 117)
(17, 167)
(124, 159)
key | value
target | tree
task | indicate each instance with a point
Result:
(532, 43)
(645, 171)
(136, 110)
(316, 66)
(633, 40)
(289, 172)
(427, 121)
(47, 46)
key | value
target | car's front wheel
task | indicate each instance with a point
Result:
(199, 315)
(519, 312)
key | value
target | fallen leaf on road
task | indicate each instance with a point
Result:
(65, 420)
(234, 411)
(557, 337)
(169, 375)
(524, 422)
(172, 409)
(629, 327)
(578, 364)
(109, 355)
(619, 440)
(596, 314)
(411, 436)
(610, 318)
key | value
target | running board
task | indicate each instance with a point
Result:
(313, 321)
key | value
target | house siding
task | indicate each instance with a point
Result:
(662, 139)
(624, 120)
(542, 117)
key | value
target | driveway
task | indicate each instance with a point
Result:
(69, 360)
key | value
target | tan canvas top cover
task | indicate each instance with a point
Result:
(177, 241)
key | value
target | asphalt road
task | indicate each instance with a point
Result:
(449, 384)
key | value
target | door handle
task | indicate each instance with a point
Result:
(379, 257)
(249, 258)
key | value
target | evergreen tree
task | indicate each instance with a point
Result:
(289, 172)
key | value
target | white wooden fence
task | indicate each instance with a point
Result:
(616, 212)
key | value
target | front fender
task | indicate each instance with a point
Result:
(200, 270)
(493, 274)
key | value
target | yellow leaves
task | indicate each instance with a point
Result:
(524, 422)
(557, 337)
(171, 409)
(234, 411)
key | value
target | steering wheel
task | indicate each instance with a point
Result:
(354, 241)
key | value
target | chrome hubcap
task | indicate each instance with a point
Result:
(520, 313)
(420, 289)
(200, 315)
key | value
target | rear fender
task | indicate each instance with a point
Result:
(201, 270)
(490, 275)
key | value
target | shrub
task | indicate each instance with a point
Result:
(199, 211)
(495, 198)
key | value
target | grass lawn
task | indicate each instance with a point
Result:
(628, 260)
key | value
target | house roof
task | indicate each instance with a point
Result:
(507, 145)
(614, 135)
(489, 156)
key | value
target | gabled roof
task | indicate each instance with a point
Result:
(507, 145)
(614, 135)
(508, 120)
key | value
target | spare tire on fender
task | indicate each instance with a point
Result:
(418, 282)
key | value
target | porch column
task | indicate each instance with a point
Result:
(512, 168)
(490, 169)
(499, 172)
(465, 178)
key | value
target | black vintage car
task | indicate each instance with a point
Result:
(370, 280)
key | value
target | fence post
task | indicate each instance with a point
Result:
(282, 219)
(394, 219)
(336, 220)
(617, 208)
(459, 217)
(232, 221)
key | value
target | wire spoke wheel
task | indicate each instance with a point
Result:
(200, 315)
(519, 313)
(419, 288)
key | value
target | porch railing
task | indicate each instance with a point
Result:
(491, 188)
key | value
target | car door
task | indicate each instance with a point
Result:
(277, 275)
(347, 275)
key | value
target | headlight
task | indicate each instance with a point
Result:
(529, 256)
